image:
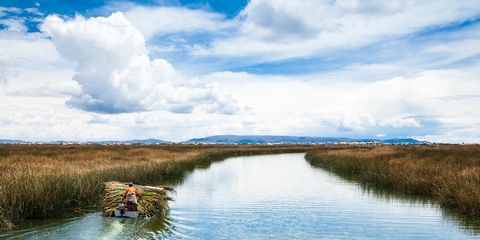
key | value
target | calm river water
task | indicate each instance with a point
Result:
(268, 197)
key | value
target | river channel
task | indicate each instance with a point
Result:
(268, 197)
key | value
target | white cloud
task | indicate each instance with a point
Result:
(398, 122)
(390, 93)
(456, 97)
(14, 24)
(355, 122)
(320, 104)
(4, 10)
(250, 120)
(47, 125)
(371, 7)
(98, 118)
(372, 67)
(457, 50)
(51, 89)
(168, 20)
(20, 52)
(116, 74)
(34, 11)
(291, 106)
(30, 66)
(9, 67)
(280, 21)
(280, 29)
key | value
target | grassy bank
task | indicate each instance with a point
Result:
(42, 181)
(449, 175)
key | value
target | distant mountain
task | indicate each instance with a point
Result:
(247, 139)
(259, 139)
(11, 141)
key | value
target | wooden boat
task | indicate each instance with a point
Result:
(127, 214)
(123, 212)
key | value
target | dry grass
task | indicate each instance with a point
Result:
(41, 181)
(450, 175)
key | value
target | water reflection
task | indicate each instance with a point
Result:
(470, 224)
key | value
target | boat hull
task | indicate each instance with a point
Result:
(125, 214)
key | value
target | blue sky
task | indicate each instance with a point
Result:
(175, 70)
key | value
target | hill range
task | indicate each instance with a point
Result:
(264, 139)
(245, 139)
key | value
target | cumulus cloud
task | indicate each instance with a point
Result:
(116, 75)
(381, 135)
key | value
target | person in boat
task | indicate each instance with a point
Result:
(130, 195)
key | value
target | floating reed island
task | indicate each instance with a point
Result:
(154, 200)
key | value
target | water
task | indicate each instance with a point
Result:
(269, 197)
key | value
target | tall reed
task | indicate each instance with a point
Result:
(449, 175)
(48, 180)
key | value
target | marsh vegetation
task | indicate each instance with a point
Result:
(42, 181)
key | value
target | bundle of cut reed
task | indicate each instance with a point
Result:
(154, 200)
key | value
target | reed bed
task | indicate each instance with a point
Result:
(448, 175)
(43, 181)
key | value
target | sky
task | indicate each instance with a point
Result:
(181, 69)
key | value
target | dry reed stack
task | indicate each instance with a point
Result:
(154, 199)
